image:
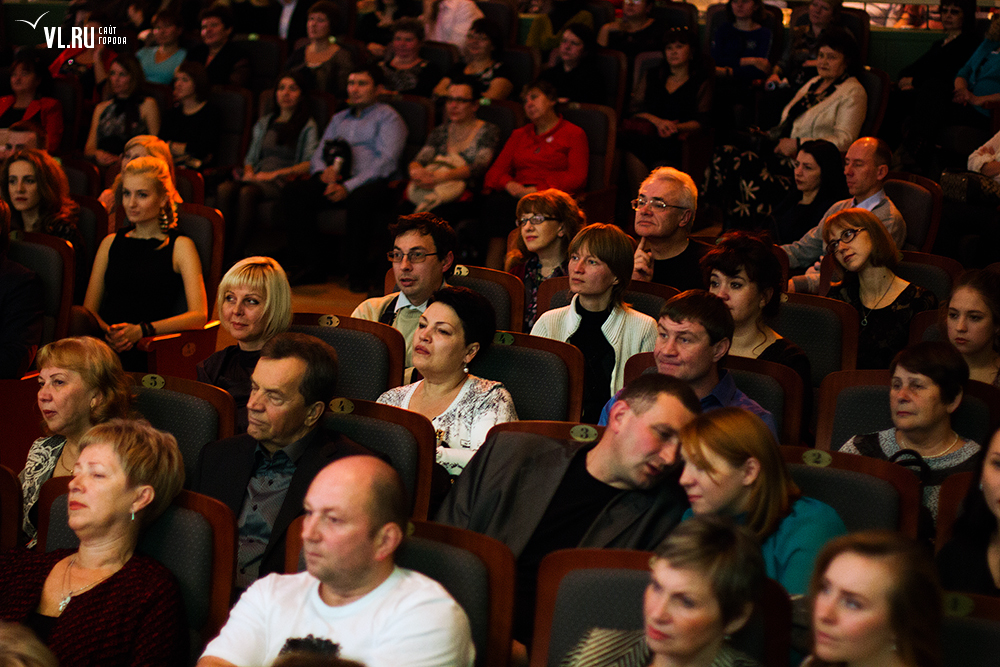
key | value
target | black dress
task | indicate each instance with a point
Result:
(583, 83)
(230, 369)
(200, 130)
(140, 284)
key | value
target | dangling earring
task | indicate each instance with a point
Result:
(133, 515)
(164, 220)
(466, 369)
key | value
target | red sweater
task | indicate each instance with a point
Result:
(134, 618)
(49, 118)
(557, 159)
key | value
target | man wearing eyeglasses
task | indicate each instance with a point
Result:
(422, 256)
(664, 213)
(865, 168)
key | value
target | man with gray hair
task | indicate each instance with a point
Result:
(664, 214)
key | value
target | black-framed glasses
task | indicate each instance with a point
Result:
(414, 256)
(535, 219)
(845, 237)
(657, 203)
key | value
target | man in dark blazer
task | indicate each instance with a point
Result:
(263, 475)
(537, 495)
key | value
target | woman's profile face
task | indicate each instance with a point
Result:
(318, 26)
(439, 341)
(288, 93)
(682, 615)
(65, 400)
(808, 175)
(830, 64)
(141, 198)
(677, 53)
(971, 327)
(22, 184)
(98, 492)
(852, 620)
(742, 296)
(539, 230)
(915, 401)
(991, 476)
(720, 487)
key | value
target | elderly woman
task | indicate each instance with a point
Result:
(597, 320)
(102, 604)
(481, 62)
(128, 113)
(405, 71)
(885, 302)
(704, 579)
(547, 221)
(255, 304)
(80, 383)
(875, 600)
(972, 320)
(732, 466)
(325, 63)
(28, 79)
(928, 380)
(160, 62)
(457, 325)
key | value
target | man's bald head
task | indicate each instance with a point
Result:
(376, 484)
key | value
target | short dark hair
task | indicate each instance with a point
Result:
(319, 382)
(428, 224)
(758, 12)
(41, 136)
(642, 392)
(708, 310)
(843, 42)
(479, 320)
(169, 16)
(30, 60)
(217, 11)
(489, 27)
(546, 88)
(752, 253)
(374, 70)
(411, 25)
(938, 360)
(330, 10)
(199, 76)
(585, 34)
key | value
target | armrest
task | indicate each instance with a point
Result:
(178, 354)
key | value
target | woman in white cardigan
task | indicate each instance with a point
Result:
(605, 329)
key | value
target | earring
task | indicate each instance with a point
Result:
(133, 515)
(466, 370)
(164, 220)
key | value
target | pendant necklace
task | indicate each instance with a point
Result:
(864, 320)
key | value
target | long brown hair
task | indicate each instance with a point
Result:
(54, 203)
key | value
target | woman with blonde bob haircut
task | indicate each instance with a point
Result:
(885, 302)
(597, 320)
(733, 467)
(547, 221)
(255, 305)
(80, 384)
(876, 600)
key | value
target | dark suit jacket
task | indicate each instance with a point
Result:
(508, 484)
(225, 468)
(21, 317)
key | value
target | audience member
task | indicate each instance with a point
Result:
(669, 102)
(450, 166)
(35, 187)
(694, 333)
(423, 257)
(875, 600)
(978, 83)
(102, 604)
(928, 380)
(191, 126)
(128, 113)
(449, 20)
(552, 17)
(548, 152)
(22, 134)
(80, 384)
(538, 495)
(29, 81)
(20, 308)
(733, 467)
(376, 612)
(573, 69)
(147, 278)
(375, 19)
(263, 475)
(143, 145)
(885, 302)
(547, 221)
(225, 61)
(90, 65)
(325, 64)
(597, 320)
(632, 33)
(19, 647)
(482, 61)
(819, 184)
(970, 561)
(375, 135)
(281, 146)
(741, 50)
(704, 580)
(866, 167)
(973, 323)
(255, 305)
(457, 325)
(664, 215)
(405, 71)
(160, 62)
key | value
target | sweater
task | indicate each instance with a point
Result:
(557, 159)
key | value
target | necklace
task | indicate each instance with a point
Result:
(69, 596)
(864, 320)
(954, 441)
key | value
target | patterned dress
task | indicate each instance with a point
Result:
(602, 647)
(42, 459)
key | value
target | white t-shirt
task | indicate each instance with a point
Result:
(408, 621)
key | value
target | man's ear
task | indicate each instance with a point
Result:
(447, 262)
(387, 540)
(314, 412)
(687, 219)
(882, 170)
(617, 415)
(721, 349)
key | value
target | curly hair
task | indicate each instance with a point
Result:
(54, 203)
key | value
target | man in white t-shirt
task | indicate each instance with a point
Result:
(352, 596)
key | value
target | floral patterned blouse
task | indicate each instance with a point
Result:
(42, 459)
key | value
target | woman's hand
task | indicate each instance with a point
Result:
(422, 177)
(104, 158)
(962, 96)
(666, 128)
(515, 189)
(787, 147)
(122, 337)
(763, 64)
(906, 83)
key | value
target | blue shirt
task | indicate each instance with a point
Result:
(791, 550)
(376, 134)
(723, 395)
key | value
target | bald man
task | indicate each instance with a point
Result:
(352, 595)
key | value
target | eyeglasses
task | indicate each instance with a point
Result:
(465, 100)
(656, 202)
(846, 237)
(414, 256)
(535, 219)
